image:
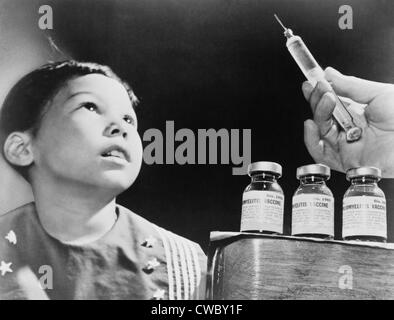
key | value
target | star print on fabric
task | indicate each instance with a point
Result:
(5, 267)
(149, 242)
(11, 237)
(151, 265)
(159, 294)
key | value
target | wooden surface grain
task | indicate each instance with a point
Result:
(268, 267)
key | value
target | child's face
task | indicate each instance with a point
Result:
(89, 136)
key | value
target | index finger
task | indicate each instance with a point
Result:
(307, 89)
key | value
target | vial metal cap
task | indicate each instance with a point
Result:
(363, 171)
(265, 166)
(317, 169)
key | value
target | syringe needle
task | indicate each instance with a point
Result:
(280, 22)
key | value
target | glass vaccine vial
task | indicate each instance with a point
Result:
(263, 199)
(313, 203)
(364, 206)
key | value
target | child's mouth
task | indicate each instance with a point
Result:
(116, 152)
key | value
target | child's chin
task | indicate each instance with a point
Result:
(118, 181)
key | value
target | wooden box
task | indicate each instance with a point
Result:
(256, 266)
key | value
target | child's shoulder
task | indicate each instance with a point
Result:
(15, 225)
(12, 218)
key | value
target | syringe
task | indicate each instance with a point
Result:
(314, 73)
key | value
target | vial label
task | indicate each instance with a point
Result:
(364, 215)
(262, 210)
(313, 213)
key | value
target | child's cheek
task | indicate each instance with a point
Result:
(137, 146)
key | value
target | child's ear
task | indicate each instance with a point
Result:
(18, 149)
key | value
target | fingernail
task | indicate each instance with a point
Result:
(308, 122)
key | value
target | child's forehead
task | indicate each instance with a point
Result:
(94, 87)
(95, 84)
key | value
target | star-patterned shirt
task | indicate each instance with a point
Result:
(134, 260)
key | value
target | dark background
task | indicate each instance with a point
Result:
(222, 64)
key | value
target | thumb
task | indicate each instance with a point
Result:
(357, 89)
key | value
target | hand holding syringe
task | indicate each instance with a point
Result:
(314, 73)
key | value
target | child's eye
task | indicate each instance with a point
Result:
(129, 119)
(90, 106)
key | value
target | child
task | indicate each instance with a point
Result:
(70, 129)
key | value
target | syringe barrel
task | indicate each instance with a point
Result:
(303, 57)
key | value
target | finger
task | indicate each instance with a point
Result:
(312, 140)
(357, 89)
(320, 89)
(307, 89)
(320, 151)
(323, 114)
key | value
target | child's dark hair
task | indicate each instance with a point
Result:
(27, 102)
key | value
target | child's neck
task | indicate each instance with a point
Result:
(74, 216)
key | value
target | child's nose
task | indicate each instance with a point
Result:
(114, 130)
